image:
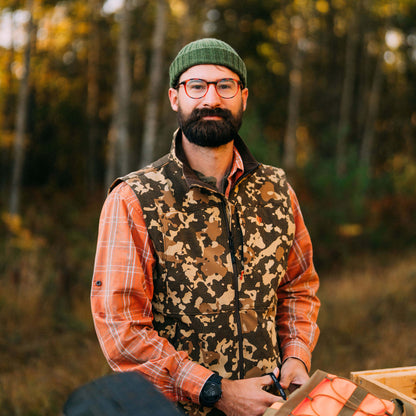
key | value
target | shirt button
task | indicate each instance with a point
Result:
(98, 283)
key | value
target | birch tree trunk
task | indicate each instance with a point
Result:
(7, 122)
(93, 94)
(295, 89)
(344, 125)
(155, 85)
(367, 144)
(118, 136)
(21, 119)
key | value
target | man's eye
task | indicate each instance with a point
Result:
(225, 86)
(196, 87)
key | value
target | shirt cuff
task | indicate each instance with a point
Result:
(191, 381)
(299, 350)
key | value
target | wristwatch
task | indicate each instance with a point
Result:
(211, 392)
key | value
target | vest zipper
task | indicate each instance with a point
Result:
(236, 291)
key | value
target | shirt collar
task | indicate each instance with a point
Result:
(243, 162)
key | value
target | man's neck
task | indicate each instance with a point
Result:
(210, 161)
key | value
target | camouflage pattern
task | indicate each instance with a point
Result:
(219, 262)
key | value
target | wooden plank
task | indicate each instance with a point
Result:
(387, 371)
(405, 383)
(389, 383)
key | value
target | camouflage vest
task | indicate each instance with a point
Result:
(219, 261)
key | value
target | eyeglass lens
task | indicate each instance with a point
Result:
(197, 88)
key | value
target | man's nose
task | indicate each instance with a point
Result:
(211, 97)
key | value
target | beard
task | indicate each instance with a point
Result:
(210, 133)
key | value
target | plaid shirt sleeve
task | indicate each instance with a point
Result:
(298, 304)
(121, 295)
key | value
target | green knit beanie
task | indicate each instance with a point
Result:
(207, 51)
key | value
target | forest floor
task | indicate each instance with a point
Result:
(367, 321)
(368, 315)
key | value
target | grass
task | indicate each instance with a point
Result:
(47, 342)
(44, 353)
(48, 346)
(368, 315)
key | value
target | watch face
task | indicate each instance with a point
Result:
(213, 391)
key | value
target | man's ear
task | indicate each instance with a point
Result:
(244, 96)
(173, 98)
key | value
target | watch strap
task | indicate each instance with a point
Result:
(214, 381)
(215, 378)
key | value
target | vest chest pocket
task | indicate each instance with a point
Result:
(189, 233)
(267, 232)
(194, 265)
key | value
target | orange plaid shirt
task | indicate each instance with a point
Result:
(122, 291)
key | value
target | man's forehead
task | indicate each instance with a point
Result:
(207, 72)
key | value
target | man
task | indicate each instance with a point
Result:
(203, 260)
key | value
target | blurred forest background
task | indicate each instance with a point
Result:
(83, 99)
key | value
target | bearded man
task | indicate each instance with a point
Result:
(204, 280)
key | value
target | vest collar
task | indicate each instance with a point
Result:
(178, 154)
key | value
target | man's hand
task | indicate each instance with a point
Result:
(293, 374)
(246, 397)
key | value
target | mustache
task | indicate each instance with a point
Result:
(199, 113)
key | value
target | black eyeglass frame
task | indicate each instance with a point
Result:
(215, 83)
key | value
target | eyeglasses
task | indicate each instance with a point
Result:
(198, 88)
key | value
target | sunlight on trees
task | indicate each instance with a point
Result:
(343, 72)
(322, 6)
(12, 32)
(179, 8)
(22, 237)
(112, 6)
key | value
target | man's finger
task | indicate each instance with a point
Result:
(266, 380)
(276, 372)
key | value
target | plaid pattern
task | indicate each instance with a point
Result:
(122, 291)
